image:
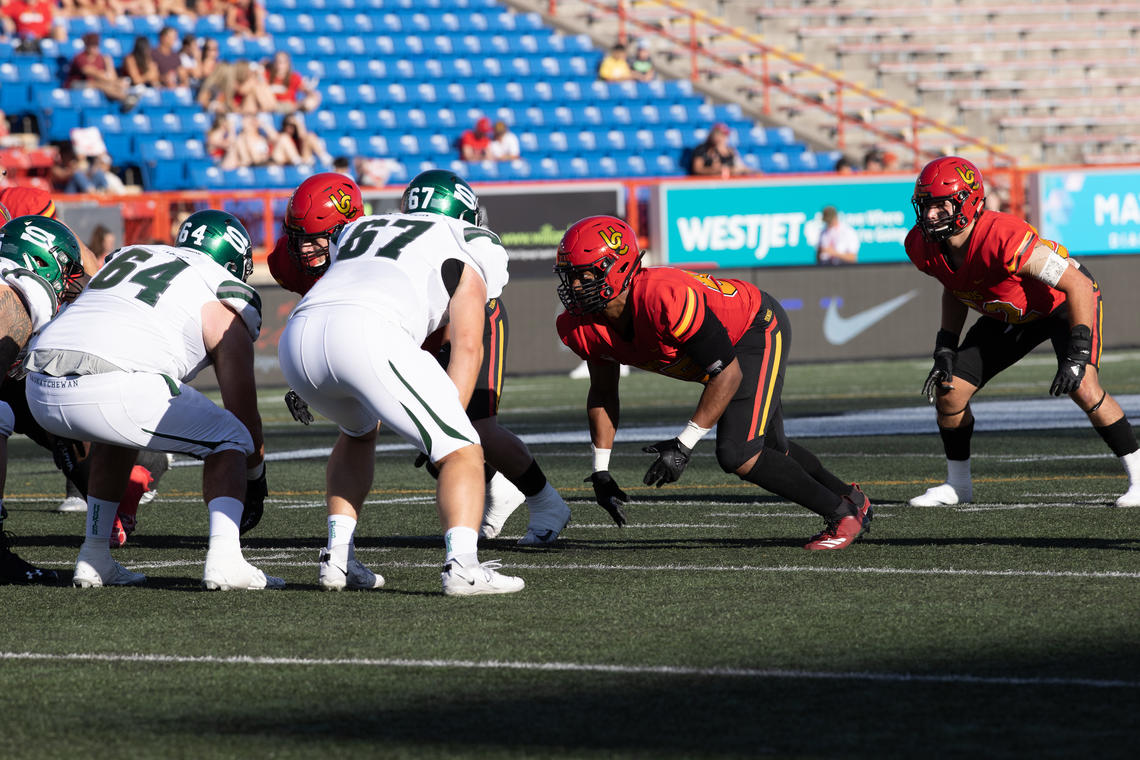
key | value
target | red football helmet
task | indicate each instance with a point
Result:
(949, 178)
(318, 210)
(597, 259)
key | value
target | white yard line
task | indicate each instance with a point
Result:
(684, 671)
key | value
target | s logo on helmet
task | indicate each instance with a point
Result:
(968, 176)
(613, 240)
(343, 204)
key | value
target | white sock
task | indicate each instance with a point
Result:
(341, 528)
(462, 545)
(101, 518)
(958, 473)
(225, 519)
(1131, 464)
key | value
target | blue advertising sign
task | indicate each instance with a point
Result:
(777, 223)
(1091, 212)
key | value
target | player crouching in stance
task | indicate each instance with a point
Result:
(352, 350)
(727, 334)
(112, 369)
(1027, 290)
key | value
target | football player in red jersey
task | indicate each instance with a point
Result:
(317, 211)
(726, 334)
(1027, 290)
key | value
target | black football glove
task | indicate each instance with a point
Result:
(609, 495)
(298, 408)
(672, 456)
(1071, 369)
(945, 352)
(255, 493)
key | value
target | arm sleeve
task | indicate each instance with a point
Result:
(709, 346)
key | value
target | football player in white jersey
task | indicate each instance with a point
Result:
(352, 350)
(113, 369)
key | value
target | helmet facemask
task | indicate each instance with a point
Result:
(310, 250)
(946, 227)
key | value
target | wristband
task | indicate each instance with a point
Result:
(692, 434)
(945, 339)
(253, 473)
(601, 458)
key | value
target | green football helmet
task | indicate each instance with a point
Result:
(48, 248)
(441, 192)
(220, 236)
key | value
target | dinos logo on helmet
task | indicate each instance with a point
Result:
(613, 240)
(343, 203)
(968, 176)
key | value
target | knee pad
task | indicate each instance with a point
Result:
(730, 455)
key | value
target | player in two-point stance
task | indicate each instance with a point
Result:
(726, 334)
(1027, 290)
(352, 350)
(113, 369)
(318, 210)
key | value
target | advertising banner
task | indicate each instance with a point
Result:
(777, 222)
(1090, 212)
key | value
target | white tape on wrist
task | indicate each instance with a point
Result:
(692, 434)
(601, 458)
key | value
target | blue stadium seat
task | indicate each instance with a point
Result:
(582, 141)
(546, 168)
(614, 140)
(634, 165)
(528, 143)
(648, 113)
(562, 116)
(408, 145)
(520, 168)
(444, 117)
(207, 177)
(415, 117)
(556, 142)
(643, 140)
(605, 166)
(666, 165)
(378, 146)
(775, 163)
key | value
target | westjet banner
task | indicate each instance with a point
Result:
(777, 222)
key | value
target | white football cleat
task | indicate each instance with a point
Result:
(480, 579)
(104, 571)
(230, 573)
(72, 504)
(1131, 497)
(548, 518)
(944, 495)
(355, 576)
(499, 503)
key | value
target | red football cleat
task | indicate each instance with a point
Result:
(841, 533)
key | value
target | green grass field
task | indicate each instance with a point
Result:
(1003, 628)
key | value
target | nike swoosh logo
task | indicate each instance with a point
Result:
(838, 330)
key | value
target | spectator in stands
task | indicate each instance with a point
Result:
(209, 58)
(251, 92)
(220, 141)
(102, 178)
(245, 18)
(297, 145)
(641, 67)
(92, 68)
(69, 172)
(253, 145)
(844, 165)
(190, 59)
(504, 145)
(290, 89)
(715, 157)
(101, 243)
(216, 93)
(473, 143)
(29, 21)
(838, 240)
(615, 66)
(169, 60)
(139, 67)
(374, 172)
(341, 165)
(873, 160)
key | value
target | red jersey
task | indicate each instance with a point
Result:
(987, 281)
(33, 20)
(27, 201)
(285, 91)
(669, 307)
(286, 271)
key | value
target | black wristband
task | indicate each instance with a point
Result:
(946, 339)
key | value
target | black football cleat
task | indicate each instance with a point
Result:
(16, 571)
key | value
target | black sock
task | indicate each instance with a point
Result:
(488, 473)
(956, 441)
(784, 477)
(1119, 436)
(531, 481)
(812, 466)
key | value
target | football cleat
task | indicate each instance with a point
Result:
(1131, 497)
(72, 504)
(841, 533)
(17, 571)
(355, 576)
(480, 579)
(548, 518)
(501, 500)
(95, 572)
(232, 573)
(944, 495)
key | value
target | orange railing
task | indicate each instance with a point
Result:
(699, 25)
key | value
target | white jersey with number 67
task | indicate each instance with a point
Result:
(392, 264)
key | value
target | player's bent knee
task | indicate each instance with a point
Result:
(732, 456)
